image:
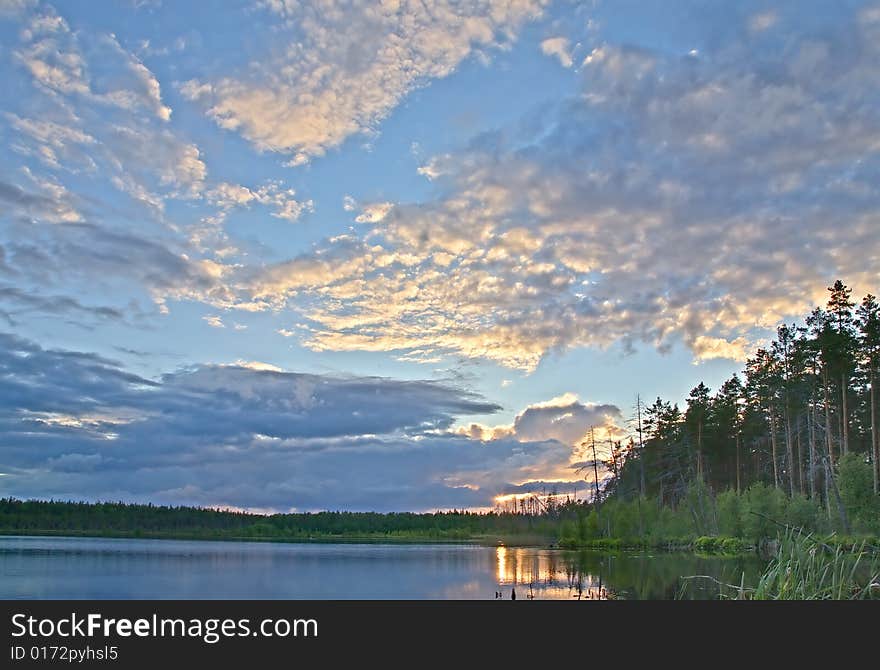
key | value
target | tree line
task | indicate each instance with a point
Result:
(803, 410)
(118, 519)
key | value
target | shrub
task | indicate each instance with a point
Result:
(729, 521)
(762, 508)
(857, 491)
(802, 513)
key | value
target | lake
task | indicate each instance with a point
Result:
(82, 568)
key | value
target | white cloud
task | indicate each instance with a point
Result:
(564, 419)
(374, 212)
(99, 112)
(257, 365)
(214, 321)
(558, 47)
(54, 56)
(435, 167)
(54, 203)
(150, 92)
(272, 194)
(656, 208)
(47, 132)
(706, 348)
(343, 68)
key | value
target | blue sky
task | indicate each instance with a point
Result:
(505, 218)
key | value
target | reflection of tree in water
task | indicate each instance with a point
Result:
(661, 576)
(593, 575)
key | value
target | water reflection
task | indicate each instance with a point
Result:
(590, 575)
(547, 574)
(120, 569)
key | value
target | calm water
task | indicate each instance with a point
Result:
(33, 567)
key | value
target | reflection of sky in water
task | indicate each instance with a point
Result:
(120, 569)
(545, 574)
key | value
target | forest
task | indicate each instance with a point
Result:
(118, 519)
(791, 442)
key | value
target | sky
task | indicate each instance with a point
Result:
(297, 255)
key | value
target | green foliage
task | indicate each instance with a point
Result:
(806, 569)
(856, 484)
(123, 520)
(727, 522)
(762, 507)
(801, 512)
(708, 544)
(805, 400)
(729, 513)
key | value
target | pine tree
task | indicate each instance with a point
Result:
(840, 309)
(727, 422)
(868, 321)
(783, 353)
(763, 382)
(695, 419)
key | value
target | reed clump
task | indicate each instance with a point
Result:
(806, 568)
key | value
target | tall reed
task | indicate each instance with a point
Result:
(805, 568)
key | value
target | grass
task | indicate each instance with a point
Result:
(807, 568)
(701, 545)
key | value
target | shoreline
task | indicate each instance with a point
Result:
(534, 542)
(481, 540)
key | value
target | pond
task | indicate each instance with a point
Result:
(93, 568)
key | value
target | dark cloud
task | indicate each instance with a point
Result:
(77, 425)
(4, 266)
(15, 196)
(54, 305)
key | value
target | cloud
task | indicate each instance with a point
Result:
(99, 152)
(763, 21)
(52, 265)
(374, 212)
(49, 200)
(565, 419)
(706, 348)
(272, 194)
(558, 47)
(25, 302)
(57, 61)
(15, 7)
(655, 207)
(53, 141)
(257, 365)
(99, 110)
(214, 321)
(76, 425)
(338, 69)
